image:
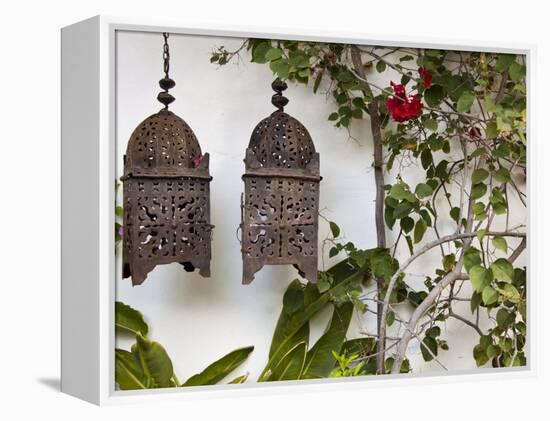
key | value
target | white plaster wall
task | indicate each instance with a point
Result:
(200, 319)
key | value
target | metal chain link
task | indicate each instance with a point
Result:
(166, 54)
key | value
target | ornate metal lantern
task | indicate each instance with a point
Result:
(166, 193)
(281, 195)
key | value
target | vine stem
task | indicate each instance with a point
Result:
(378, 163)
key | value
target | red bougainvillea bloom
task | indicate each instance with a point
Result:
(426, 77)
(197, 160)
(403, 107)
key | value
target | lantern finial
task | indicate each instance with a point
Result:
(166, 83)
(278, 100)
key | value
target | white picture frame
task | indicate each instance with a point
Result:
(88, 168)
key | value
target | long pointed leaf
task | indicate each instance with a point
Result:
(128, 375)
(320, 361)
(154, 361)
(290, 367)
(220, 369)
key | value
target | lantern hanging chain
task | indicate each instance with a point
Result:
(166, 83)
(166, 55)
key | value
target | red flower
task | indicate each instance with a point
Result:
(197, 160)
(426, 77)
(401, 106)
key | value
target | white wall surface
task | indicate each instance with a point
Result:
(200, 319)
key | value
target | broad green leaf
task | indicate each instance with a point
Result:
(510, 293)
(475, 301)
(286, 313)
(428, 344)
(489, 295)
(380, 66)
(153, 361)
(478, 190)
(128, 375)
(259, 51)
(219, 369)
(334, 229)
(419, 230)
(129, 320)
(480, 355)
(290, 367)
(504, 61)
(479, 175)
(434, 95)
(516, 71)
(319, 360)
(359, 346)
(423, 190)
(407, 224)
(273, 54)
(465, 102)
(500, 243)
(472, 257)
(480, 277)
(503, 318)
(503, 270)
(491, 131)
(431, 124)
(480, 233)
(343, 273)
(449, 261)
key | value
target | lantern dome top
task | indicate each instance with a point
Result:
(281, 141)
(163, 145)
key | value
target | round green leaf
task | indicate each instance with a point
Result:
(503, 270)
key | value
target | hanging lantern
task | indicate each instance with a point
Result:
(166, 193)
(281, 195)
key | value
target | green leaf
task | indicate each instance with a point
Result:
(407, 224)
(431, 124)
(503, 270)
(465, 102)
(281, 68)
(491, 131)
(333, 116)
(479, 175)
(289, 367)
(434, 95)
(480, 233)
(219, 369)
(475, 301)
(478, 190)
(504, 61)
(419, 230)
(153, 361)
(273, 54)
(510, 293)
(390, 318)
(128, 375)
(516, 71)
(319, 360)
(259, 51)
(502, 175)
(119, 211)
(480, 355)
(471, 258)
(423, 190)
(428, 344)
(480, 277)
(489, 295)
(503, 318)
(129, 320)
(449, 261)
(380, 66)
(239, 380)
(334, 229)
(318, 80)
(500, 243)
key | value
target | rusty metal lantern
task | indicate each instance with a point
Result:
(166, 193)
(281, 195)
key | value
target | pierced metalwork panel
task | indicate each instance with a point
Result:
(166, 221)
(280, 225)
